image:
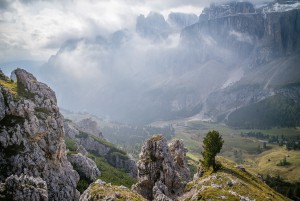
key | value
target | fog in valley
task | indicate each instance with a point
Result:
(142, 61)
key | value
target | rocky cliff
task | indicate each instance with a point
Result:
(90, 126)
(153, 26)
(32, 140)
(249, 50)
(261, 46)
(174, 78)
(263, 34)
(162, 174)
(101, 147)
(23, 187)
(180, 20)
(85, 166)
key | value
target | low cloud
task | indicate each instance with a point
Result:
(95, 68)
(36, 29)
(242, 37)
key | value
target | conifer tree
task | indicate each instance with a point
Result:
(212, 145)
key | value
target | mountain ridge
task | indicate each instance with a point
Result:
(177, 74)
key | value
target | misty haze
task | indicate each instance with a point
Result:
(89, 83)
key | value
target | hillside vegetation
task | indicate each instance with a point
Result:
(231, 182)
(274, 111)
(269, 163)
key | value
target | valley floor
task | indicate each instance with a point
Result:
(242, 150)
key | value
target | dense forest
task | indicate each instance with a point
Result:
(291, 142)
(275, 111)
(291, 190)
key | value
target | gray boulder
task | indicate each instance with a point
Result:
(85, 166)
(23, 187)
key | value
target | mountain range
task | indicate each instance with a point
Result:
(233, 56)
(237, 63)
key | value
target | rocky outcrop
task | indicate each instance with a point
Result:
(32, 137)
(261, 35)
(101, 147)
(90, 126)
(281, 36)
(158, 176)
(178, 153)
(230, 183)
(23, 187)
(85, 166)
(71, 129)
(159, 180)
(122, 161)
(92, 144)
(261, 43)
(101, 191)
(181, 20)
(223, 10)
(154, 26)
(114, 156)
(2, 104)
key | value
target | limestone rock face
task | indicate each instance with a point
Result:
(178, 153)
(158, 177)
(89, 142)
(90, 126)
(71, 129)
(24, 188)
(153, 26)
(2, 107)
(32, 137)
(233, 8)
(84, 166)
(261, 35)
(122, 162)
(181, 20)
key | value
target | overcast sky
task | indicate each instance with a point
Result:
(35, 29)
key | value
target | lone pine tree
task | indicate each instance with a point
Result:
(212, 145)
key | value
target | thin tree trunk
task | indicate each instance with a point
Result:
(214, 164)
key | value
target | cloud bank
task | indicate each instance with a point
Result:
(99, 63)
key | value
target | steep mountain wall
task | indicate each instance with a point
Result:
(264, 44)
(32, 136)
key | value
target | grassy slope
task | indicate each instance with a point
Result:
(110, 192)
(8, 83)
(267, 161)
(111, 174)
(192, 133)
(215, 186)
